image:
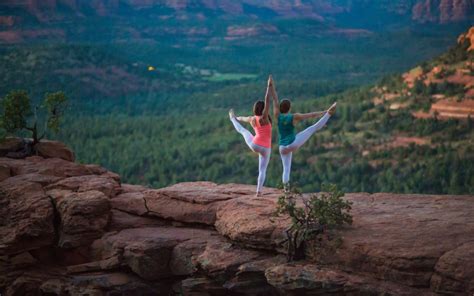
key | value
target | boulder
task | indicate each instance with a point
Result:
(149, 252)
(166, 207)
(250, 278)
(221, 258)
(108, 186)
(5, 172)
(130, 202)
(95, 169)
(249, 220)
(101, 265)
(126, 188)
(43, 180)
(83, 216)
(54, 149)
(122, 220)
(51, 166)
(10, 144)
(14, 165)
(454, 272)
(26, 217)
(401, 237)
(193, 202)
(108, 283)
(310, 279)
(12, 266)
(206, 192)
(183, 257)
(200, 285)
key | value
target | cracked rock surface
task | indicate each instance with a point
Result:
(73, 229)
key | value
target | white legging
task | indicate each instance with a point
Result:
(286, 152)
(263, 152)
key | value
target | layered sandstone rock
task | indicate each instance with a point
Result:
(442, 11)
(72, 229)
(57, 149)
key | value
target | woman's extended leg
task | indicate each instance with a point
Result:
(263, 160)
(304, 136)
(263, 153)
(248, 137)
(286, 152)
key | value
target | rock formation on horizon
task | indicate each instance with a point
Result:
(435, 11)
(74, 229)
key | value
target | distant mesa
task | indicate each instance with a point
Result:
(439, 11)
(237, 32)
(443, 11)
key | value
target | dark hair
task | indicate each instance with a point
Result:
(258, 109)
(285, 106)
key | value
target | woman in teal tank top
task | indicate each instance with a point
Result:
(288, 140)
(286, 129)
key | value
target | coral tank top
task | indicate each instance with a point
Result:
(263, 133)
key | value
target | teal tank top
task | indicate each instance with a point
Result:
(286, 129)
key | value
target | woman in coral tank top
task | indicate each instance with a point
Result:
(261, 143)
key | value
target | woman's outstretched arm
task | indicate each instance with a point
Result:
(244, 118)
(303, 116)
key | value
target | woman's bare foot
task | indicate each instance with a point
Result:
(258, 194)
(231, 113)
(332, 109)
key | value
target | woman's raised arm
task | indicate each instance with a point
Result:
(276, 105)
(266, 108)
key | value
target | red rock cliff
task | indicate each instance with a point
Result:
(73, 229)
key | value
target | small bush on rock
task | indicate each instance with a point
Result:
(313, 217)
(16, 114)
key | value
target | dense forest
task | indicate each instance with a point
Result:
(157, 115)
(195, 141)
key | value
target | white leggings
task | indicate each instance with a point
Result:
(286, 152)
(263, 153)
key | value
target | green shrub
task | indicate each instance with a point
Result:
(313, 216)
(16, 114)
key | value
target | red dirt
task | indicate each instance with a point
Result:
(16, 36)
(422, 115)
(399, 141)
(449, 108)
(453, 109)
(470, 93)
(10, 37)
(396, 106)
(411, 76)
(461, 78)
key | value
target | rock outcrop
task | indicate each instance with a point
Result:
(469, 35)
(73, 229)
(442, 11)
